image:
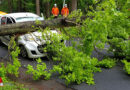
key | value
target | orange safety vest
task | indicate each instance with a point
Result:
(65, 11)
(55, 11)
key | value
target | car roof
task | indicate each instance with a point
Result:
(23, 14)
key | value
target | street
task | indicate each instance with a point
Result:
(108, 79)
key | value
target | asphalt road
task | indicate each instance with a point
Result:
(108, 79)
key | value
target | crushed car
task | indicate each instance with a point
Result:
(30, 44)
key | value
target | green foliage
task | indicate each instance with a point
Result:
(30, 5)
(14, 67)
(76, 14)
(107, 26)
(107, 63)
(73, 66)
(8, 85)
(13, 86)
(39, 71)
(11, 68)
(126, 66)
(107, 23)
(3, 6)
(120, 47)
(76, 66)
(72, 32)
(3, 72)
(38, 22)
(118, 30)
(52, 38)
(122, 4)
(85, 5)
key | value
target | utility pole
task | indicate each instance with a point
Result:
(63, 3)
(0, 1)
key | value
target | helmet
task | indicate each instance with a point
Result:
(55, 4)
(65, 5)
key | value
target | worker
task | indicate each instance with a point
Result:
(55, 11)
(65, 11)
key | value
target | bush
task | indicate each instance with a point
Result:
(39, 71)
(126, 66)
(3, 72)
(107, 63)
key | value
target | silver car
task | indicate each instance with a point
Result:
(30, 45)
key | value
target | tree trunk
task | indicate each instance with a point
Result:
(10, 2)
(19, 5)
(38, 7)
(73, 5)
(24, 27)
(47, 6)
(24, 5)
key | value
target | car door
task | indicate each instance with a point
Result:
(6, 20)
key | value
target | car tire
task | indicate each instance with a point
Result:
(23, 52)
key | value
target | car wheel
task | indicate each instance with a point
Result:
(23, 52)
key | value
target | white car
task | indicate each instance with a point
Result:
(30, 45)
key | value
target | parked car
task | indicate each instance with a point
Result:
(30, 45)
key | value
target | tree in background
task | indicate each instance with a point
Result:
(19, 6)
(44, 6)
(38, 7)
(10, 6)
(73, 5)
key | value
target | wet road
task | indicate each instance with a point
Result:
(108, 79)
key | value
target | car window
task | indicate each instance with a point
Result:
(3, 20)
(22, 19)
(7, 20)
(10, 20)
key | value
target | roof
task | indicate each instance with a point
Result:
(23, 14)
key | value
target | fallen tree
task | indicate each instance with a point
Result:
(24, 27)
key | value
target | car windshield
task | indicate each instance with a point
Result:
(23, 19)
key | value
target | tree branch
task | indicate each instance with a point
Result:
(24, 27)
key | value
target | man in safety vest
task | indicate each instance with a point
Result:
(55, 11)
(65, 11)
